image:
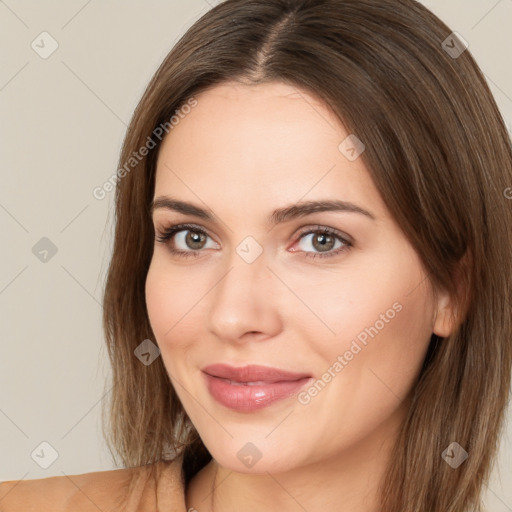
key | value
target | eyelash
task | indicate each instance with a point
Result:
(166, 234)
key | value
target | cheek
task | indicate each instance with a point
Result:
(382, 323)
(396, 349)
(164, 294)
(381, 295)
(175, 306)
(167, 302)
(384, 354)
(159, 297)
(365, 376)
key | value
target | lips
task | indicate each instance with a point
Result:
(252, 374)
(252, 387)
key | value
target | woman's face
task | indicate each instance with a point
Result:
(349, 311)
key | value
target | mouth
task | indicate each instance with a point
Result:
(235, 383)
(252, 373)
(253, 387)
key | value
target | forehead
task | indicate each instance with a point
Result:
(249, 144)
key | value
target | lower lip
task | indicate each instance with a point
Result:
(244, 398)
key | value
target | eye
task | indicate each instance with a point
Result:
(192, 239)
(186, 235)
(324, 239)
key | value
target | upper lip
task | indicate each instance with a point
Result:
(252, 373)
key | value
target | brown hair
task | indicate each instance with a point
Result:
(438, 152)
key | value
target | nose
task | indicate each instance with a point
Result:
(244, 304)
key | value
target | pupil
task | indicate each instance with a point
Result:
(323, 239)
(195, 237)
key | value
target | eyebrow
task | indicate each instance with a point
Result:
(278, 216)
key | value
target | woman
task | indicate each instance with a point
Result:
(307, 305)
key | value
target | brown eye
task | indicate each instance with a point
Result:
(183, 239)
(194, 240)
(325, 241)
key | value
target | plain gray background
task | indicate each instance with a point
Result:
(63, 121)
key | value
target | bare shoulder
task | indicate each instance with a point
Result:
(117, 489)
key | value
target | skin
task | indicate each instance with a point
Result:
(242, 152)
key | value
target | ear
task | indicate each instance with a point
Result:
(444, 321)
(447, 313)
